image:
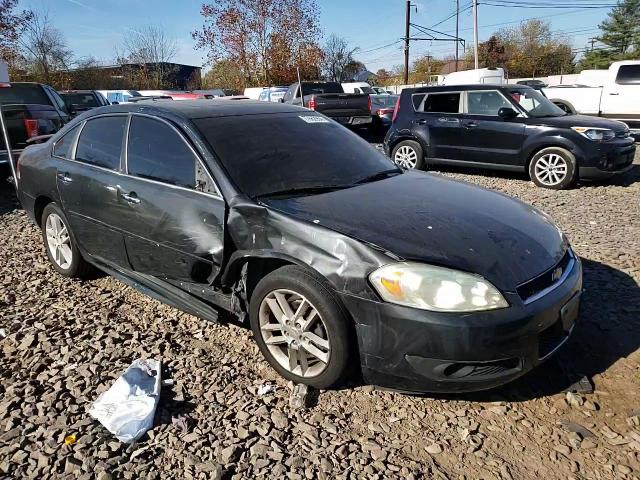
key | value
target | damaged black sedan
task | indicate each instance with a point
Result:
(293, 223)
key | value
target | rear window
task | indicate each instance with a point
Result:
(319, 88)
(23, 93)
(441, 103)
(86, 100)
(100, 141)
(274, 152)
(628, 75)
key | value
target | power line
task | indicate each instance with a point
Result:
(463, 9)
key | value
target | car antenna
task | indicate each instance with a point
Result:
(300, 83)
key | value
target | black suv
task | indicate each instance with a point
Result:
(505, 127)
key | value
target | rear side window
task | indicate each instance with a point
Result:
(628, 75)
(486, 103)
(62, 147)
(157, 152)
(100, 141)
(23, 93)
(441, 103)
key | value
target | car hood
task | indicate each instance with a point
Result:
(432, 219)
(569, 121)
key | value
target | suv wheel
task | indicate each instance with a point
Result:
(554, 168)
(301, 327)
(408, 155)
(60, 245)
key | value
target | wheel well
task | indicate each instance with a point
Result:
(402, 139)
(538, 149)
(258, 268)
(38, 207)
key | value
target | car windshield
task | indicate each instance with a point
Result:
(81, 99)
(269, 153)
(535, 103)
(385, 100)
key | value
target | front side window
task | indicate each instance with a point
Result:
(628, 75)
(100, 141)
(535, 103)
(486, 103)
(63, 145)
(441, 103)
(157, 152)
(290, 151)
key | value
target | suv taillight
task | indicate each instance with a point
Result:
(31, 126)
(395, 111)
(312, 104)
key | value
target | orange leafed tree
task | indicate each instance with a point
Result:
(266, 39)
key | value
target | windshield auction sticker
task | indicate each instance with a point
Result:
(314, 119)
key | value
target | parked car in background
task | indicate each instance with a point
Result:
(175, 198)
(357, 87)
(617, 95)
(80, 101)
(174, 95)
(350, 109)
(253, 92)
(119, 96)
(505, 127)
(272, 94)
(30, 110)
(213, 92)
(382, 108)
(533, 83)
(381, 91)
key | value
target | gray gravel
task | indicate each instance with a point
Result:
(63, 342)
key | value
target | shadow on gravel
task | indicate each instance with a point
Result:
(607, 330)
(8, 199)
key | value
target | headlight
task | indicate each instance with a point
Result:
(435, 288)
(593, 133)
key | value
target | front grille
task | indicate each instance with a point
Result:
(550, 339)
(529, 289)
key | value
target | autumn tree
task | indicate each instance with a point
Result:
(620, 36)
(266, 39)
(224, 74)
(338, 55)
(12, 24)
(384, 76)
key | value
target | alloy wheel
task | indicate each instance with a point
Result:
(406, 157)
(58, 241)
(294, 333)
(551, 169)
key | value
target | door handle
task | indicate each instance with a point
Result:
(470, 125)
(421, 122)
(131, 197)
(64, 177)
(448, 120)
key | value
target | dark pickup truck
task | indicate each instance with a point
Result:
(328, 98)
(30, 110)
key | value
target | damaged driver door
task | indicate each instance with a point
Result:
(174, 227)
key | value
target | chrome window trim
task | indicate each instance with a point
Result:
(124, 174)
(557, 283)
(73, 145)
(466, 104)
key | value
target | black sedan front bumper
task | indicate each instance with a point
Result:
(417, 350)
(609, 159)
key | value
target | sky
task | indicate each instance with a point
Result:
(96, 27)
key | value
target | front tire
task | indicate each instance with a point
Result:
(553, 167)
(408, 155)
(301, 327)
(60, 245)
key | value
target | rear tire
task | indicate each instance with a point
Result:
(60, 244)
(408, 155)
(553, 167)
(313, 347)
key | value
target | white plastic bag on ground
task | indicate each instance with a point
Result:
(128, 407)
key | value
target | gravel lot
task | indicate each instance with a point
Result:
(64, 342)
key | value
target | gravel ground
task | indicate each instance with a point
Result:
(63, 342)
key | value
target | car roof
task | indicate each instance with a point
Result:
(466, 87)
(76, 91)
(192, 109)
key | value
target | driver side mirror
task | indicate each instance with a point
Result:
(507, 113)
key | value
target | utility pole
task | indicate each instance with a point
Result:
(592, 41)
(406, 43)
(475, 32)
(457, 25)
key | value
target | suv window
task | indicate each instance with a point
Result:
(56, 98)
(441, 103)
(628, 75)
(23, 93)
(157, 152)
(486, 102)
(62, 147)
(100, 141)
